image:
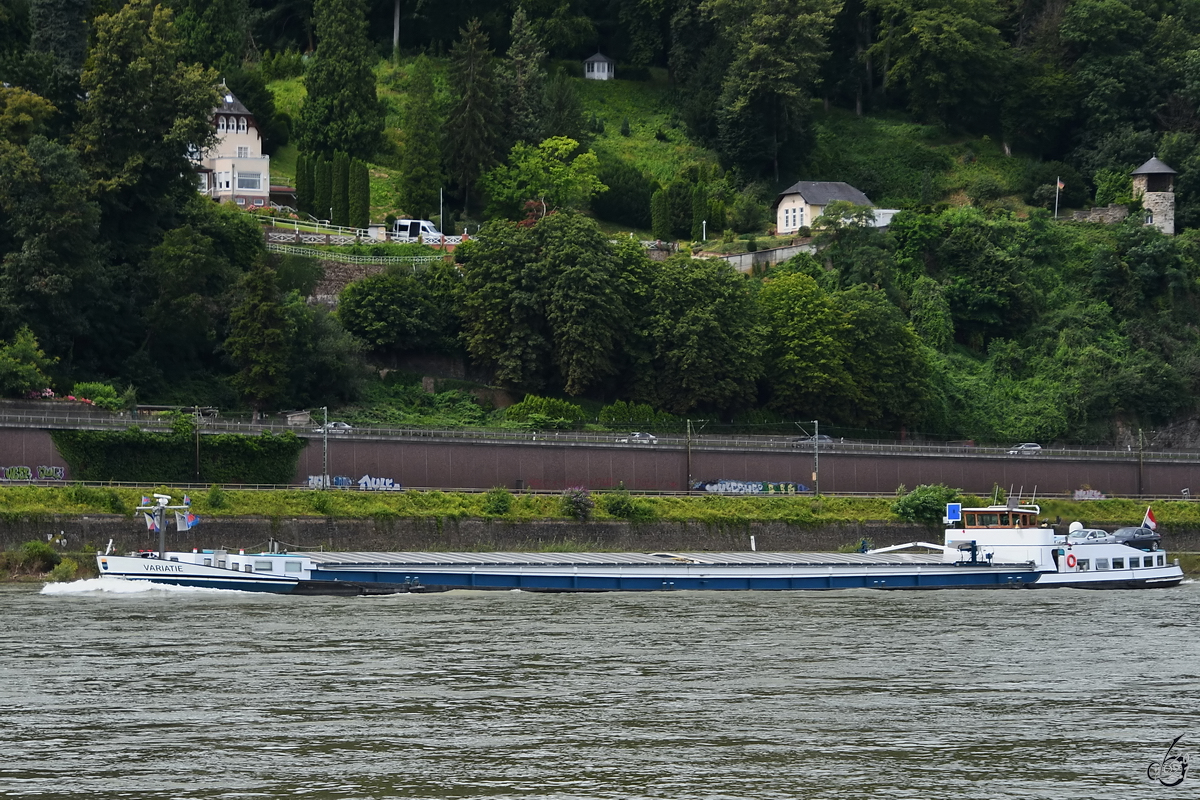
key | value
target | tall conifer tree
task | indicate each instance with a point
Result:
(360, 195)
(421, 155)
(474, 126)
(341, 190)
(524, 78)
(341, 111)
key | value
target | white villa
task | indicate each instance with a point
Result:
(800, 204)
(236, 168)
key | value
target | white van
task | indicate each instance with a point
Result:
(412, 228)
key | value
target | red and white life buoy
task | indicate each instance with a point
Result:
(1071, 559)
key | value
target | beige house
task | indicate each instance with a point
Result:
(804, 201)
(235, 168)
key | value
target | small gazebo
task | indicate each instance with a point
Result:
(599, 67)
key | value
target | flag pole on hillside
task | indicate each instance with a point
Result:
(1058, 187)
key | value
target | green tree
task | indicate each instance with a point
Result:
(23, 365)
(946, 54)
(777, 48)
(303, 185)
(258, 342)
(22, 114)
(143, 115)
(215, 33)
(660, 219)
(705, 338)
(360, 195)
(341, 190)
(629, 196)
(546, 174)
(806, 349)
(393, 312)
(324, 361)
(249, 86)
(563, 114)
(473, 127)
(341, 111)
(420, 154)
(323, 189)
(59, 27)
(885, 361)
(523, 76)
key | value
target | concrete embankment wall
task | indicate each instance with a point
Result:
(88, 533)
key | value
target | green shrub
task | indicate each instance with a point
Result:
(621, 504)
(322, 502)
(498, 501)
(37, 557)
(545, 412)
(65, 571)
(99, 499)
(217, 497)
(577, 503)
(102, 395)
(925, 504)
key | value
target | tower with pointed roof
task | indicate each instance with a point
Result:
(1154, 183)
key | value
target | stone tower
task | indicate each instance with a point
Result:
(1153, 182)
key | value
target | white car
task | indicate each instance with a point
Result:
(1026, 449)
(334, 427)
(638, 438)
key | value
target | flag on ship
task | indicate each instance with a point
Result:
(187, 501)
(187, 521)
(151, 522)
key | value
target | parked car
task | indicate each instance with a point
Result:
(412, 228)
(638, 438)
(1025, 449)
(819, 439)
(334, 427)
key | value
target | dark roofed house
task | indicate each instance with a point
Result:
(599, 67)
(804, 201)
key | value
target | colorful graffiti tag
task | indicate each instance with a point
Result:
(724, 486)
(366, 483)
(17, 473)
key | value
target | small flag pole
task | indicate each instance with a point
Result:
(1057, 189)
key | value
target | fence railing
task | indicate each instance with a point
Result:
(349, 258)
(93, 420)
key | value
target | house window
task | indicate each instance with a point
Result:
(249, 180)
(1149, 217)
(243, 152)
(590, 66)
(222, 180)
(241, 124)
(202, 182)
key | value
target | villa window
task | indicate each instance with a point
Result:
(243, 152)
(221, 124)
(241, 125)
(249, 180)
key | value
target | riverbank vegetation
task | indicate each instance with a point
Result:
(37, 502)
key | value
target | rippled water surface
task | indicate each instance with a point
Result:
(855, 694)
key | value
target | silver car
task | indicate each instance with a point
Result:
(1025, 449)
(334, 427)
(638, 438)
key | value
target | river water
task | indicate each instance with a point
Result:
(186, 693)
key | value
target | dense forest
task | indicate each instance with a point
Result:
(975, 314)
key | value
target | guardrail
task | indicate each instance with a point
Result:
(91, 420)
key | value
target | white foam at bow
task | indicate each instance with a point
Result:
(121, 586)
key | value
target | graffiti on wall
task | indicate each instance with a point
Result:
(724, 486)
(1088, 494)
(366, 483)
(28, 473)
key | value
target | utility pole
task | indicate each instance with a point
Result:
(325, 448)
(1141, 460)
(816, 458)
(196, 430)
(689, 456)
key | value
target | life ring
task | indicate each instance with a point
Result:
(1071, 559)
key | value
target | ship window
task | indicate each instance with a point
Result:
(1084, 565)
(291, 566)
(208, 562)
(1118, 563)
(1101, 563)
(173, 558)
(263, 566)
(221, 565)
(1148, 561)
(1004, 520)
(1162, 561)
(989, 519)
(971, 520)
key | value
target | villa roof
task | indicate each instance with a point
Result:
(821, 193)
(230, 104)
